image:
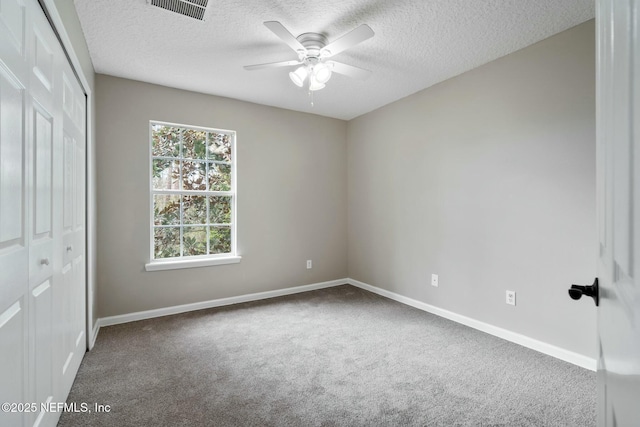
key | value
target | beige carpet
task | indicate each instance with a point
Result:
(335, 357)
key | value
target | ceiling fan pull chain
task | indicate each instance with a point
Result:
(311, 97)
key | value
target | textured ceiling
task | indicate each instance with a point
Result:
(417, 44)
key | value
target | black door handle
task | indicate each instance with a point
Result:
(577, 291)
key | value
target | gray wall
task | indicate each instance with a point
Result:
(487, 179)
(292, 195)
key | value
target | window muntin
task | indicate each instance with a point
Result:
(192, 192)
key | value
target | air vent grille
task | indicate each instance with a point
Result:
(191, 8)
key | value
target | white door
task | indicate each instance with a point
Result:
(43, 124)
(72, 295)
(42, 212)
(14, 248)
(618, 157)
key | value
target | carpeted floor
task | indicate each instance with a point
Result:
(334, 357)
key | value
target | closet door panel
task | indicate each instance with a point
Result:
(45, 245)
(13, 17)
(14, 255)
(43, 173)
(73, 220)
(69, 189)
(12, 206)
(42, 336)
(13, 360)
(43, 59)
(14, 252)
(41, 246)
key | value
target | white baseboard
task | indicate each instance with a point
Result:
(542, 347)
(167, 311)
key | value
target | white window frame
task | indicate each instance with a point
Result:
(191, 261)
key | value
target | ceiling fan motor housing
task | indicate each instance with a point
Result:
(313, 43)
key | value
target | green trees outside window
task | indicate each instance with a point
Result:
(192, 191)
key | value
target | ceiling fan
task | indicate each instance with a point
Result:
(314, 53)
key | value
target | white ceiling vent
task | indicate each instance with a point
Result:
(191, 8)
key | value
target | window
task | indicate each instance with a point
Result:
(193, 198)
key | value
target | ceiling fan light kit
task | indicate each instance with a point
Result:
(318, 75)
(298, 76)
(322, 72)
(313, 85)
(314, 50)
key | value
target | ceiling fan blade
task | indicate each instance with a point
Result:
(350, 70)
(360, 34)
(279, 30)
(271, 65)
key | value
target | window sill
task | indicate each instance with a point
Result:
(190, 263)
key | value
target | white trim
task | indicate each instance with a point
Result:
(167, 311)
(229, 258)
(157, 265)
(542, 347)
(52, 11)
(94, 334)
(91, 204)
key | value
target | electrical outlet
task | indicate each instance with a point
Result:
(309, 264)
(511, 297)
(434, 280)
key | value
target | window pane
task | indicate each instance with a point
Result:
(219, 240)
(219, 147)
(166, 141)
(219, 177)
(194, 144)
(195, 209)
(166, 210)
(166, 174)
(193, 176)
(195, 241)
(187, 166)
(219, 210)
(166, 242)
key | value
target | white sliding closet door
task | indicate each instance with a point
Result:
(72, 295)
(14, 227)
(42, 217)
